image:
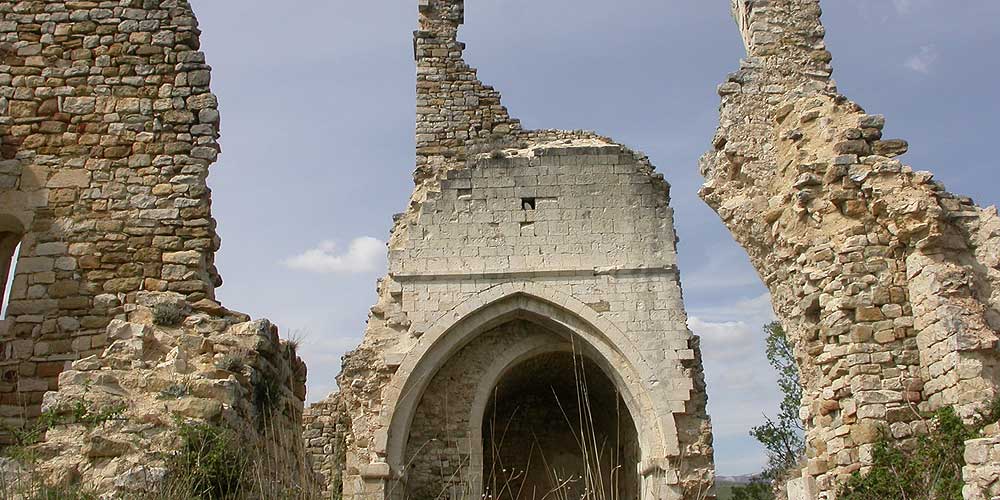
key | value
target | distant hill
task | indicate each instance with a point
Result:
(744, 479)
(724, 485)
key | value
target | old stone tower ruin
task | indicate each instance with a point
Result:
(530, 333)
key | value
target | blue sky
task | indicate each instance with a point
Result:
(317, 101)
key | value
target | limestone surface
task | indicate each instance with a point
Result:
(516, 244)
(885, 281)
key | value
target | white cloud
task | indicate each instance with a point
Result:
(903, 6)
(741, 385)
(923, 60)
(363, 255)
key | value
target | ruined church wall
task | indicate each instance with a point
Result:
(604, 238)
(598, 233)
(108, 127)
(881, 277)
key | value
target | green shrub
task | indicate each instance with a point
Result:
(266, 395)
(43, 492)
(757, 490)
(211, 464)
(929, 468)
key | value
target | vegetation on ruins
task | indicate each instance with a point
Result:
(781, 436)
(928, 467)
(174, 391)
(210, 464)
(18, 462)
(167, 314)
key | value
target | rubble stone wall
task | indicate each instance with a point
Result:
(325, 428)
(107, 130)
(884, 281)
(562, 228)
(108, 127)
(981, 472)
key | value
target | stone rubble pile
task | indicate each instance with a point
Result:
(208, 368)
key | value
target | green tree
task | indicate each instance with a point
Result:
(782, 436)
(756, 490)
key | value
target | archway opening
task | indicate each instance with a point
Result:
(557, 427)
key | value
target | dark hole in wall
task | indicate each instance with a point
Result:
(556, 428)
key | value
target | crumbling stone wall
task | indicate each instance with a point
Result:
(563, 228)
(108, 127)
(107, 130)
(210, 365)
(325, 428)
(981, 472)
(885, 282)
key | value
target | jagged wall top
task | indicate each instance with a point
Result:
(455, 111)
(789, 32)
(441, 16)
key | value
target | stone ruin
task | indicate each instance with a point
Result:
(107, 130)
(524, 256)
(886, 283)
(532, 289)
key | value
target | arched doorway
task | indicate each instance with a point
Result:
(557, 427)
(445, 414)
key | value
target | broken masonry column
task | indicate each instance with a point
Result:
(875, 270)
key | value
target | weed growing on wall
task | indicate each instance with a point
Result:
(927, 467)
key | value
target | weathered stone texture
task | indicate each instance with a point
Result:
(884, 280)
(325, 428)
(561, 228)
(981, 472)
(108, 128)
(215, 367)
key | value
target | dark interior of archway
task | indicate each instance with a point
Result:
(556, 427)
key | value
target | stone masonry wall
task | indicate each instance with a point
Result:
(981, 472)
(497, 209)
(108, 127)
(885, 282)
(325, 428)
(107, 130)
(600, 231)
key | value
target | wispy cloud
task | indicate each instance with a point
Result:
(922, 61)
(754, 311)
(363, 255)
